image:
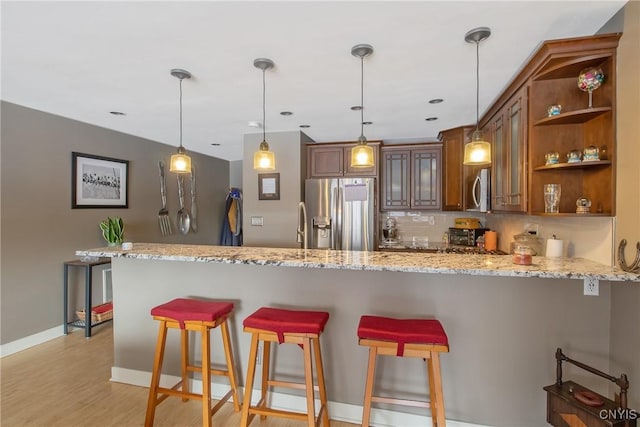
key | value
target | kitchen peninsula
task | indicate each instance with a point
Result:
(504, 321)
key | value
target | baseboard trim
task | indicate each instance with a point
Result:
(339, 411)
(30, 341)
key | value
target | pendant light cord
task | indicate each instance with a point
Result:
(264, 125)
(362, 138)
(180, 113)
(477, 85)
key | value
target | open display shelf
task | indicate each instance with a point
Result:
(554, 80)
(576, 165)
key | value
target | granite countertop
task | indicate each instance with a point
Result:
(479, 265)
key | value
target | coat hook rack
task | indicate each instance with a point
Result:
(635, 266)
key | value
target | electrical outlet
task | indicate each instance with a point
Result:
(591, 286)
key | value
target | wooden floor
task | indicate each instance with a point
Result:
(65, 382)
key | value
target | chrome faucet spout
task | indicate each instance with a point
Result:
(302, 228)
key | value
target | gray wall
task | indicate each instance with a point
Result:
(235, 174)
(279, 216)
(625, 301)
(39, 230)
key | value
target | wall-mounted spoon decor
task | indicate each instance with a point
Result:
(194, 208)
(184, 220)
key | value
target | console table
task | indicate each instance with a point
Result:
(88, 275)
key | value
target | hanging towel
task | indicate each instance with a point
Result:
(231, 234)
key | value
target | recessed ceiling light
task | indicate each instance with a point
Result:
(356, 108)
(254, 124)
(436, 101)
(430, 119)
(305, 126)
(117, 113)
(367, 123)
(286, 113)
(215, 144)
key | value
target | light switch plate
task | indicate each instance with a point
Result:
(257, 220)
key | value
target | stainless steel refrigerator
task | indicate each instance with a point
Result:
(341, 213)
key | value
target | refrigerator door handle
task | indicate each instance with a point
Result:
(334, 219)
(339, 213)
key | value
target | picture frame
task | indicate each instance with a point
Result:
(99, 182)
(269, 186)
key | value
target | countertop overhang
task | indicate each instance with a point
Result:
(472, 264)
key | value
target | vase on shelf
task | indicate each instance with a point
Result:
(590, 79)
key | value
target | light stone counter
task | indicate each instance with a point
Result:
(475, 265)
(504, 321)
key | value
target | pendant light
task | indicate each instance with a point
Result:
(263, 159)
(362, 154)
(478, 151)
(180, 162)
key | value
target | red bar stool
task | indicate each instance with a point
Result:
(286, 326)
(424, 338)
(200, 316)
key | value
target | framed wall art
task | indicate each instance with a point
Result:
(98, 182)
(269, 186)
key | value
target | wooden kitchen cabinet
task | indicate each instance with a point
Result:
(453, 175)
(411, 177)
(576, 127)
(507, 132)
(521, 132)
(333, 160)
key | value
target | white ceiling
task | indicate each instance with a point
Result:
(84, 59)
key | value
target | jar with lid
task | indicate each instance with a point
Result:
(522, 255)
(530, 241)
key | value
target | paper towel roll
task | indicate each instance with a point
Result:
(554, 248)
(490, 240)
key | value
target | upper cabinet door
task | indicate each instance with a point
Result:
(453, 177)
(334, 160)
(517, 144)
(395, 179)
(426, 181)
(325, 161)
(507, 131)
(412, 177)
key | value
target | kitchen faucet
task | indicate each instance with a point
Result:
(302, 230)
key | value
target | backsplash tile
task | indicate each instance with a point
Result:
(584, 237)
(420, 226)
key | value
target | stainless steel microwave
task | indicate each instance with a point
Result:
(478, 193)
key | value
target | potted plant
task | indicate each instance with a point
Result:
(112, 230)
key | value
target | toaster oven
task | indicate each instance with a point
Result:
(465, 236)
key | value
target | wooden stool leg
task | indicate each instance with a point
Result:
(155, 376)
(368, 391)
(206, 376)
(308, 378)
(321, 384)
(248, 387)
(184, 348)
(435, 386)
(266, 364)
(228, 353)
